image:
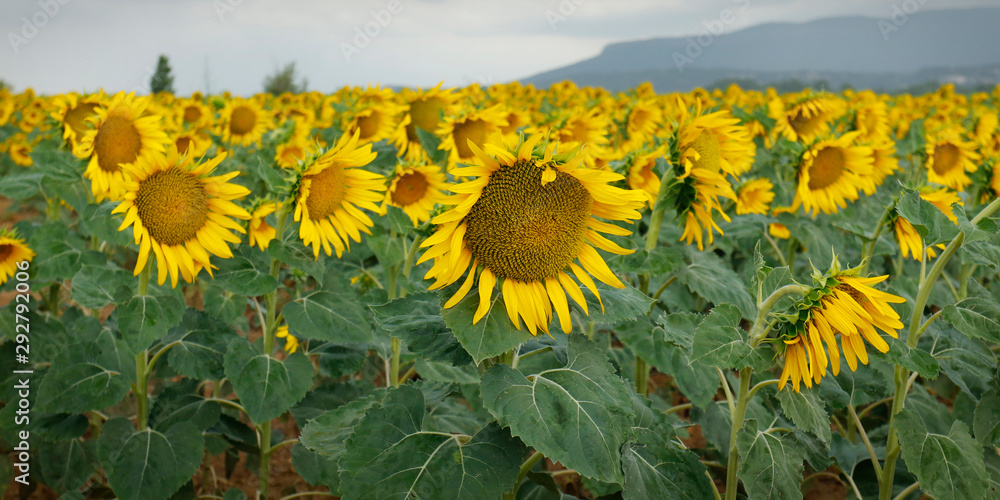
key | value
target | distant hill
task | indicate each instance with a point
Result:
(957, 45)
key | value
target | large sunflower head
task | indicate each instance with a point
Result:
(830, 173)
(643, 119)
(840, 304)
(120, 135)
(243, 122)
(525, 220)
(331, 188)
(374, 121)
(12, 251)
(181, 214)
(416, 190)
(949, 157)
(714, 141)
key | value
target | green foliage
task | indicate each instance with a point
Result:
(284, 80)
(162, 80)
(948, 466)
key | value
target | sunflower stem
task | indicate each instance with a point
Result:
(525, 468)
(869, 249)
(759, 330)
(392, 380)
(901, 374)
(141, 386)
(737, 421)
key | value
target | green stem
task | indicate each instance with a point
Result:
(525, 468)
(141, 387)
(869, 249)
(737, 420)
(759, 325)
(641, 376)
(868, 443)
(392, 378)
(901, 374)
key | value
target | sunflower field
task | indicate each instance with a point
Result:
(500, 292)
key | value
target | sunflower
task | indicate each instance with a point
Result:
(425, 109)
(476, 126)
(643, 119)
(871, 117)
(779, 230)
(291, 342)
(194, 114)
(717, 139)
(192, 143)
(12, 251)
(642, 175)
(293, 151)
(754, 197)
(416, 189)
(73, 110)
(121, 135)
(840, 305)
(261, 233)
(884, 163)
(330, 190)
(243, 122)
(180, 214)
(19, 148)
(521, 222)
(808, 116)
(949, 157)
(375, 121)
(910, 241)
(830, 173)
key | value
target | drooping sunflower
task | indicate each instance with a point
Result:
(521, 221)
(477, 126)
(73, 110)
(718, 139)
(180, 214)
(259, 232)
(839, 305)
(642, 175)
(949, 157)
(121, 135)
(830, 173)
(806, 117)
(910, 241)
(754, 197)
(243, 122)
(12, 250)
(331, 188)
(416, 190)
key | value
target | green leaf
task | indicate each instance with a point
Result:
(227, 307)
(326, 397)
(315, 468)
(238, 275)
(96, 220)
(579, 415)
(492, 335)
(719, 341)
(655, 467)
(21, 186)
(332, 313)
(976, 316)
(445, 372)
(56, 258)
(949, 467)
(271, 176)
(79, 382)
(266, 386)
(679, 328)
(770, 467)
(932, 224)
(711, 278)
(660, 261)
(390, 455)
(148, 464)
(95, 285)
(984, 253)
(65, 466)
(806, 411)
(180, 402)
(620, 304)
(968, 362)
(200, 348)
(291, 252)
(144, 319)
(416, 319)
(913, 358)
(697, 381)
(985, 423)
(430, 143)
(58, 164)
(328, 432)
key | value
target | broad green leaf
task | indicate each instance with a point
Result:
(848, 455)
(94, 285)
(770, 467)
(655, 467)
(266, 386)
(327, 397)
(679, 328)
(391, 456)
(241, 276)
(200, 348)
(180, 402)
(21, 185)
(932, 224)
(862, 386)
(913, 358)
(661, 261)
(61, 426)
(620, 304)
(291, 251)
(65, 466)
(445, 372)
(984, 253)
(986, 423)
(144, 319)
(977, 316)
(949, 467)
(332, 313)
(148, 464)
(78, 382)
(97, 220)
(968, 362)
(806, 411)
(713, 279)
(315, 468)
(697, 381)
(430, 142)
(416, 319)
(271, 176)
(719, 341)
(579, 415)
(58, 252)
(328, 432)
(227, 307)
(493, 335)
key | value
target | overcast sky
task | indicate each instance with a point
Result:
(60, 45)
